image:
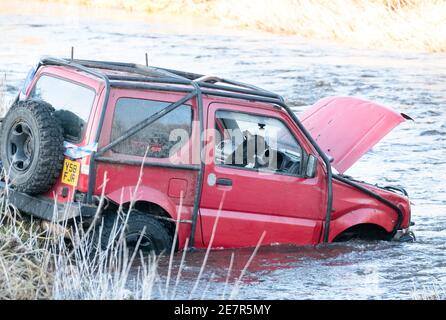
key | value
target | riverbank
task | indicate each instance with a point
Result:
(378, 24)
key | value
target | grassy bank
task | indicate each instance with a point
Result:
(21, 274)
(418, 25)
(40, 263)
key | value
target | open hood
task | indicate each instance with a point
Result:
(346, 128)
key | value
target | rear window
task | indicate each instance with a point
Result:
(72, 102)
(156, 138)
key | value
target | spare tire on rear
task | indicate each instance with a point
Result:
(31, 146)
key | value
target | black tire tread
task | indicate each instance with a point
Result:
(51, 152)
(137, 221)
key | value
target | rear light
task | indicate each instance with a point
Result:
(82, 185)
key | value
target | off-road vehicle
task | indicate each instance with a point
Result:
(178, 146)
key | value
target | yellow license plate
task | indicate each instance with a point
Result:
(70, 173)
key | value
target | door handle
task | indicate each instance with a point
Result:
(224, 182)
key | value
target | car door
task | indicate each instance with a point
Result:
(246, 179)
(168, 177)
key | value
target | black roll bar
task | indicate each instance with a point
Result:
(199, 184)
(146, 122)
(72, 64)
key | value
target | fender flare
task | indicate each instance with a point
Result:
(362, 216)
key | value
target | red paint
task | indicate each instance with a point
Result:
(177, 187)
(290, 209)
(346, 127)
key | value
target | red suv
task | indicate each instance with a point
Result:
(176, 146)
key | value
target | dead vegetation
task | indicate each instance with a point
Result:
(22, 275)
(434, 291)
(390, 24)
(37, 264)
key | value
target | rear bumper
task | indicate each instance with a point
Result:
(44, 208)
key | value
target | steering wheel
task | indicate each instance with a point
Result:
(257, 160)
(263, 160)
(224, 151)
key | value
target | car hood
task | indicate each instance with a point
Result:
(346, 128)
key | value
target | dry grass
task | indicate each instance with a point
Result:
(418, 25)
(22, 276)
(434, 291)
(41, 264)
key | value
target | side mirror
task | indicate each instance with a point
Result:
(310, 170)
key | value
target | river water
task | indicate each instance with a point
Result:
(413, 155)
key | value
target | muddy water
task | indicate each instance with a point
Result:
(413, 155)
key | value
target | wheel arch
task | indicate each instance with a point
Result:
(144, 194)
(147, 200)
(362, 220)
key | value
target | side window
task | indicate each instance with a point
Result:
(155, 137)
(256, 142)
(72, 102)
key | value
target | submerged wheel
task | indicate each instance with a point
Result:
(31, 146)
(155, 237)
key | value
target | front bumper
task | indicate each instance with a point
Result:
(404, 235)
(44, 208)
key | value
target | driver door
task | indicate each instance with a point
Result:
(257, 189)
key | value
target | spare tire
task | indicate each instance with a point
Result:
(31, 146)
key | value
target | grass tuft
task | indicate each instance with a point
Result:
(434, 291)
(39, 264)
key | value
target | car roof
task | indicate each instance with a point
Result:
(135, 76)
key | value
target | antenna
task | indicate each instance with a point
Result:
(147, 60)
(72, 54)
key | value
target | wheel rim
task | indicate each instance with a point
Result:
(20, 146)
(146, 245)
